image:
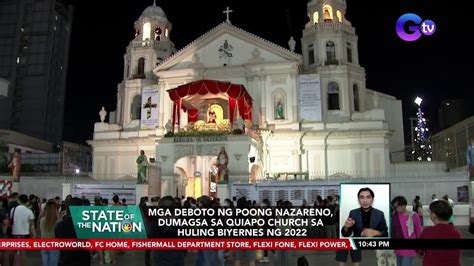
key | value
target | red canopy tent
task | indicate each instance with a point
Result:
(236, 94)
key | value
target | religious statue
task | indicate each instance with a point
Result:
(292, 44)
(195, 59)
(212, 116)
(256, 54)
(222, 162)
(148, 105)
(279, 111)
(375, 100)
(169, 126)
(15, 166)
(470, 160)
(102, 114)
(142, 164)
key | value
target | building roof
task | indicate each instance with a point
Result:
(231, 29)
(153, 12)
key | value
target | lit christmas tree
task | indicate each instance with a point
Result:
(422, 151)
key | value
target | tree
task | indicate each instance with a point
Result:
(422, 147)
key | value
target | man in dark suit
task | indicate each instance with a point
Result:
(365, 221)
(65, 229)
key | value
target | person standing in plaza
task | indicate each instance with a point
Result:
(166, 257)
(405, 225)
(204, 256)
(65, 229)
(47, 224)
(440, 212)
(23, 224)
(418, 208)
(451, 203)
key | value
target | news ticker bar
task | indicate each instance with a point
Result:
(420, 244)
(233, 244)
(175, 244)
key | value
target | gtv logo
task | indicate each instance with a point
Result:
(427, 27)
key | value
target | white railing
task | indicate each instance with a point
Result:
(154, 44)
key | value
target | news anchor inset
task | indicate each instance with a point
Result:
(365, 221)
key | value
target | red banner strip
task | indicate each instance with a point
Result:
(175, 244)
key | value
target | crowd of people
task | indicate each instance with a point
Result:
(25, 216)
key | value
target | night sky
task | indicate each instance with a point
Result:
(436, 67)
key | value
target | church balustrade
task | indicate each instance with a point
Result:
(286, 176)
(150, 43)
(331, 62)
(187, 139)
(334, 26)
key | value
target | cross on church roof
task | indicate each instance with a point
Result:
(228, 11)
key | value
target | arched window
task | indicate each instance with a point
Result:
(327, 13)
(135, 110)
(330, 53)
(349, 52)
(355, 91)
(146, 31)
(316, 17)
(339, 15)
(333, 96)
(141, 67)
(158, 33)
(167, 32)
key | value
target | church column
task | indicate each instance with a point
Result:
(296, 161)
(127, 104)
(265, 151)
(118, 114)
(263, 91)
(293, 88)
(169, 185)
(256, 95)
(161, 116)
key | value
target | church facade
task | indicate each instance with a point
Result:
(277, 114)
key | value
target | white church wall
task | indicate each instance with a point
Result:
(394, 118)
(149, 62)
(355, 154)
(425, 169)
(280, 87)
(342, 114)
(117, 160)
(241, 51)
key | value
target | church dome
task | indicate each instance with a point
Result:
(153, 12)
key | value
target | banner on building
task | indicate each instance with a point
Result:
(310, 98)
(150, 107)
